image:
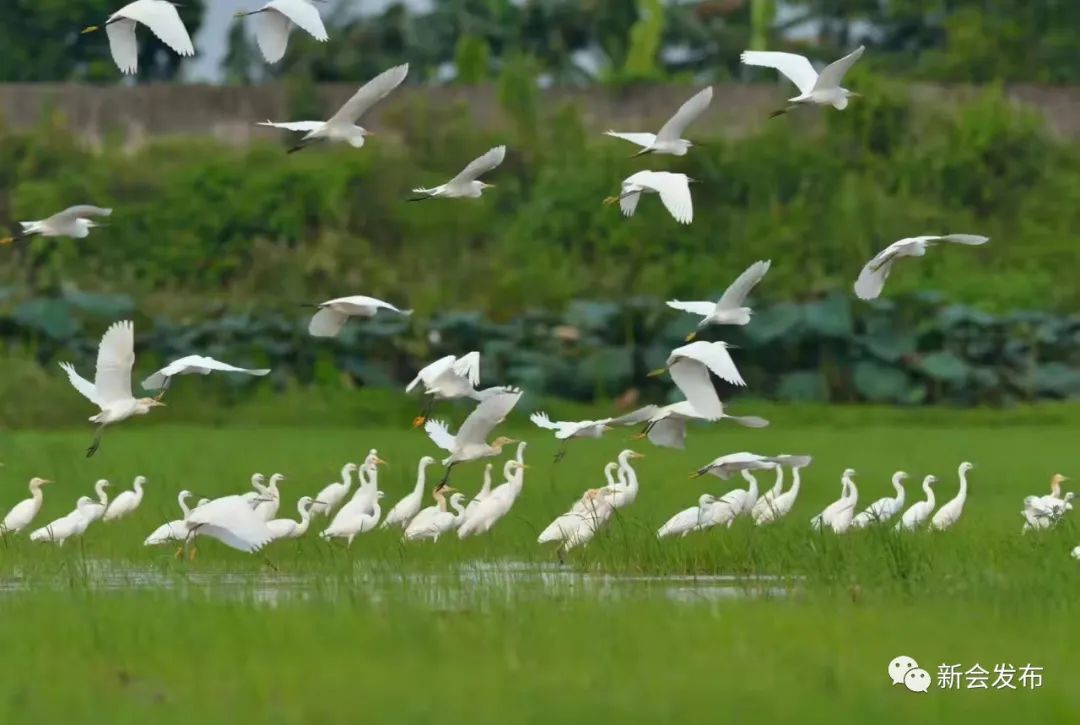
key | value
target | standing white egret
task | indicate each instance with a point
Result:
(824, 519)
(820, 90)
(669, 139)
(600, 511)
(22, 514)
(674, 191)
(1043, 512)
(75, 222)
(690, 366)
(73, 525)
(873, 275)
(289, 529)
(741, 501)
(566, 524)
(565, 429)
(111, 389)
(126, 502)
(160, 16)
(230, 520)
(364, 498)
(469, 443)
(269, 502)
(686, 520)
(918, 513)
(342, 125)
(333, 314)
(724, 466)
(885, 508)
(492, 509)
(176, 530)
(484, 492)
(950, 511)
(408, 507)
(434, 521)
(466, 185)
(844, 513)
(193, 365)
(350, 523)
(625, 492)
(103, 500)
(780, 506)
(276, 20)
(729, 309)
(334, 493)
(766, 499)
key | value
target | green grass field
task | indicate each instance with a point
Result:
(767, 625)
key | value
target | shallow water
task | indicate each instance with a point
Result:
(466, 586)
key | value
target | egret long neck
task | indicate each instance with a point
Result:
(421, 480)
(305, 520)
(752, 488)
(103, 496)
(796, 475)
(962, 493)
(929, 493)
(779, 485)
(182, 500)
(485, 489)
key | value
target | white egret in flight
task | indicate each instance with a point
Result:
(232, 521)
(872, 277)
(690, 366)
(159, 16)
(674, 191)
(729, 309)
(451, 378)
(332, 314)
(470, 442)
(669, 139)
(820, 90)
(275, 20)
(22, 514)
(565, 429)
(126, 502)
(466, 185)
(111, 389)
(75, 222)
(724, 466)
(665, 426)
(193, 365)
(342, 125)
(950, 511)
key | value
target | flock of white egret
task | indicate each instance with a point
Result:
(248, 521)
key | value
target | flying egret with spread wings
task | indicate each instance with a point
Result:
(665, 425)
(690, 366)
(193, 365)
(276, 20)
(75, 222)
(872, 278)
(729, 309)
(111, 389)
(159, 16)
(451, 378)
(674, 191)
(466, 185)
(566, 429)
(820, 90)
(724, 466)
(470, 442)
(332, 314)
(342, 125)
(669, 139)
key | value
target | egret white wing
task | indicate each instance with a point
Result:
(272, 33)
(84, 386)
(480, 165)
(116, 355)
(628, 202)
(326, 322)
(303, 126)
(192, 364)
(431, 372)
(80, 211)
(370, 93)
(834, 73)
(687, 114)
(692, 378)
(969, 239)
(643, 140)
(697, 308)
(542, 420)
(637, 417)
(468, 367)
(123, 46)
(737, 291)
(796, 68)
(674, 190)
(164, 21)
(486, 416)
(440, 435)
(668, 433)
(304, 14)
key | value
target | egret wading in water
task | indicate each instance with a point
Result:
(268, 503)
(333, 314)
(814, 89)
(566, 524)
(22, 514)
(126, 502)
(111, 389)
(470, 442)
(497, 505)
(669, 140)
(342, 125)
(466, 185)
(159, 16)
(350, 523)
(872, 277)
(434, 521)
(673, 189)
(276, 19)
(289, 529)
(729, 309)
(75, 222)
(193, 365)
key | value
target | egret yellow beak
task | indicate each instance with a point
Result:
(7, 240)
(656, 373)
(610, 200)
(635, 454)
(158, 404)
(638, 436)
(696, 474)
(380, 462)
(89, 29)
(691, 336)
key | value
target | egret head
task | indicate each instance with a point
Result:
(849, 472)
(1058, 479)
(144, 405)
(501, 441)
(305, 502)
(485, 185)
(930, 480)
(628, 454)
(380, 494)
(349, 468)
(102, 483)
(257, 478)
(899, 476)
(276, 479)
(706, 499)
(38, 482)
(139, 481)
(966, 466)
(428, 460)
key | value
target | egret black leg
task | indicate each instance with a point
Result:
(96, 443)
